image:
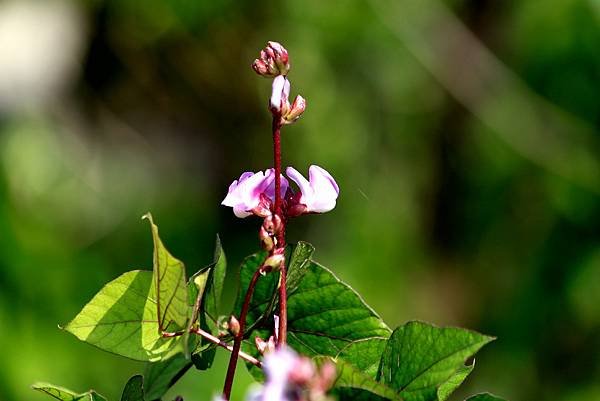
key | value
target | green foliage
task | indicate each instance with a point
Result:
(63, 394)
(350, 376)
(160, 376)
(327, 320)
(447, 388)
(122, 318)
(325, 315)
(419, 358)
(169, 276)
(134, 389)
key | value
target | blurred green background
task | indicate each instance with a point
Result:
(463, 134)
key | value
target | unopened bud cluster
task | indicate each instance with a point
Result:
(274, 62)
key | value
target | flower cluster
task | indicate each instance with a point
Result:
(254, 193)
(290, 377)
(274, 62)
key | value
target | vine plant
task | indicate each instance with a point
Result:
(302, 331)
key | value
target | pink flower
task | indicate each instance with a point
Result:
(253, 193)
(319, 193)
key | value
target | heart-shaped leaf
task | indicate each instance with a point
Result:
(325, 315)
(419, 358)
(122, 318)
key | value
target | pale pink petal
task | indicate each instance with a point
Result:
(320, 193)
(325, 189)
(278, 92)
(302, 183)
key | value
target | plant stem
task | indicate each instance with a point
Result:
(282, 337)
(215, 340)
(277, 161)
(237, 340)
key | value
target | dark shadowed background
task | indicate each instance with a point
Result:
(464, 136)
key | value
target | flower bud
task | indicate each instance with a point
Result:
(233, 325)
(281, 57)
(265, 346)
(273, 224)
(222, 326)
(260, 67)
(274, 60)
(273, 262)
(266, 241)
(295, 110)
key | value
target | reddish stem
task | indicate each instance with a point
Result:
(277, 161)
(282, 337)
(237, 340)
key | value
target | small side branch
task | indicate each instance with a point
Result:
(216, 341)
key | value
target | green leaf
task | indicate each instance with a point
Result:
(63, 394)
(448, 387)
(264, 292)
(325, 315)
(206, 288)
(299, 262)
(160, 376)
(364, 354)
(420, 357)
(134, 389)
(169, 278)
(197, 285)
(352, 377)
(353, 394)
(265, 295)
(214, 288)
(196, 288)
(122, 318)
(485, 397)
